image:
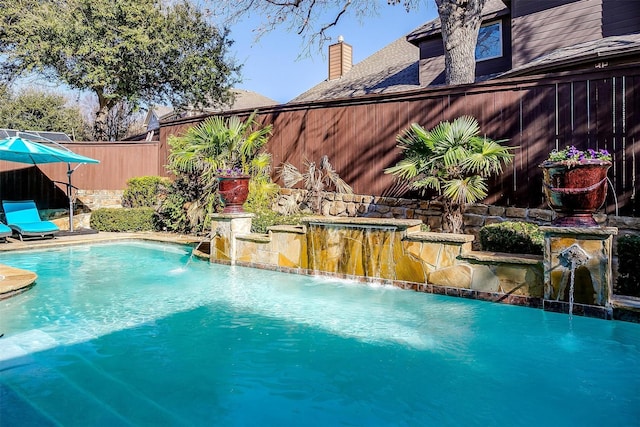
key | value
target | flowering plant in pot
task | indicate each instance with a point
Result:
(233, 187)
(571, 156)
(575, 184)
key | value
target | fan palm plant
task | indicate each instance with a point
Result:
(316, 179)
(220, 146)
(453, 160)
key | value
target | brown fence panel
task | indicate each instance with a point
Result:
(28, 182)
(119, 161)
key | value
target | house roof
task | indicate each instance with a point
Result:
(242, 99)
(492, 9)
(596, 50)
(393, 68)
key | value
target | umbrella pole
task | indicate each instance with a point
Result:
(70, 197)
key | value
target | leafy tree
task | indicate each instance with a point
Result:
(36, 110)
(121, 50)
(453, 160)
(460, 21)
(218, 144)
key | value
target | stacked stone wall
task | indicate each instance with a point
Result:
(430, 212)
(95, 199)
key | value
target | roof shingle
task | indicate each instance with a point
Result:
(393, 68)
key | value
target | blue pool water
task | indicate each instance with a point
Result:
(129, 334)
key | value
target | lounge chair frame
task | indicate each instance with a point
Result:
(24, 220)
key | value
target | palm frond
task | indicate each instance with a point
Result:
(464, 128)
(405, 169)
(290, 175)
(441, 136)
(489, 158)
(428, 182)
(468, 190)
(454, 156)
(333, 178)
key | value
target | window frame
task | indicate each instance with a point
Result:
(500, 43)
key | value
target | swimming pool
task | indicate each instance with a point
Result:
(129, 334)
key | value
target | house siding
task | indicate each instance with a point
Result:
(620, 17)
(431, 62)
(538, 28)
(526, 7)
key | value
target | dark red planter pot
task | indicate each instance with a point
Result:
(576, 192)
(234, 192)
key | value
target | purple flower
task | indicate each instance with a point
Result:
(572, 155)
(232, 172)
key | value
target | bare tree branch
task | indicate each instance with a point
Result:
(310, 19)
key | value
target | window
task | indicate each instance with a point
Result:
(489, 44)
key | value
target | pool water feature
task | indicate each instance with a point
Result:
(353, 250)
(119, 334)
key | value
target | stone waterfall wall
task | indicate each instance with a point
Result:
(398, 253)
(430, 262)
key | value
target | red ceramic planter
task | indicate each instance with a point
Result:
(576, 192)
(234, 191)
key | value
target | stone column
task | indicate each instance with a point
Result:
(586, 251)
(224, 230)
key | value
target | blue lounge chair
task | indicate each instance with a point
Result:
(4, 232)
(24, 220)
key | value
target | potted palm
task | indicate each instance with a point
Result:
(224, 155)
(574, 184)
(452, 159)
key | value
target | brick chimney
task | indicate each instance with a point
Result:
(340, 59)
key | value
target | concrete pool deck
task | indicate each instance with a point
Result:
(14, 280)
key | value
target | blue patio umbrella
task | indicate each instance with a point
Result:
(22, 150)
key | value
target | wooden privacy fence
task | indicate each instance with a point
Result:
(599, 109)
(119, 161)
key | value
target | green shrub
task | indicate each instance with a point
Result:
(123, 219)
(172, 210)
(628, 261)
(512, 237)
(144, 191)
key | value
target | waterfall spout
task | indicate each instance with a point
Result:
(572, 257)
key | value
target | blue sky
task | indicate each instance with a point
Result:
(271, 65)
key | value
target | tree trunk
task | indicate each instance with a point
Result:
(453, 216)
(100, 124)
(460, 21)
